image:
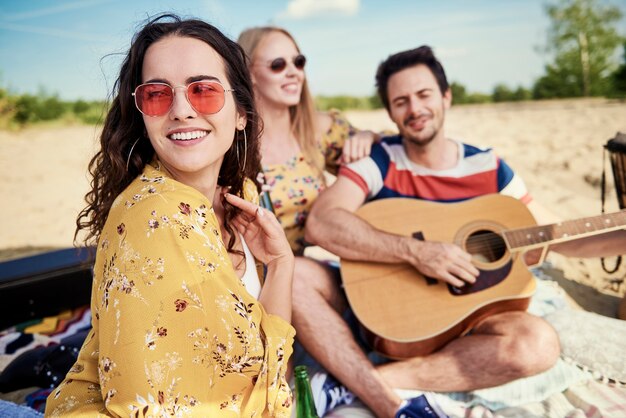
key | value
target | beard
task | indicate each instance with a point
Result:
(420, 138)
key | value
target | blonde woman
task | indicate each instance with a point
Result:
(298, 143)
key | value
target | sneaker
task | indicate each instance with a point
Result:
(328, 393)
(420, 407)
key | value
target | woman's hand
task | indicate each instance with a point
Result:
(267, 242)
(263, 234)
(358, 145)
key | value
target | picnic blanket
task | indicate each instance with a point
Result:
(589, 380)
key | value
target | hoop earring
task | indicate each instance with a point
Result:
(131, 153)
(245, 149)
(237, 151)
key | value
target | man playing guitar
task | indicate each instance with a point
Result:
(422, 163)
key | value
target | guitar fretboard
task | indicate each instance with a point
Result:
(564, 231)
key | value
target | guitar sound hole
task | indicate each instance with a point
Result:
(485, 246)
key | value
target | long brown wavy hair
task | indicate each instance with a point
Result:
(124, 128)
(302, 115)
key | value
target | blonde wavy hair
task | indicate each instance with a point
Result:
(302, 115)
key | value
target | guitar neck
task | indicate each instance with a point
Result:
(541, 235)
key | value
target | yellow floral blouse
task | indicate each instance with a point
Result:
(295, 185)
(175, 333)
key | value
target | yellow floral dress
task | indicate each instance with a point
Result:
(175, 333)
(295, 185)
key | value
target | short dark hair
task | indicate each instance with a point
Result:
(405, 59)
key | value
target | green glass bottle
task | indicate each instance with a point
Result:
(305, 407)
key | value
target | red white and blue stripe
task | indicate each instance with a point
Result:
(388, 172)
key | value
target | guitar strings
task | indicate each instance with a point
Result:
(540, 233)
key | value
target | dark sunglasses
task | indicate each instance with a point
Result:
(279, 64)
(156, 99)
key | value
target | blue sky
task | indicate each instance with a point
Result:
(72, 47)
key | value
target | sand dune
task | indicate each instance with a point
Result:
(557, 147)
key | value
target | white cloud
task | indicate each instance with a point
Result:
(302, 9)
(57, 8)
(61, 33)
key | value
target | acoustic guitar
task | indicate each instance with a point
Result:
(405, 314)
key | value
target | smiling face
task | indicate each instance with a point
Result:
(190, 145)
(282, 88)
(416, 104)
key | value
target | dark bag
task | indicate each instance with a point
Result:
(616, 148)
(44, 284)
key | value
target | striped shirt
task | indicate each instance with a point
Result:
(388, 172)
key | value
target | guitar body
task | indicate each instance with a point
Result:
(405, 314)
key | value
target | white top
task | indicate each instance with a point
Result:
(250, 276)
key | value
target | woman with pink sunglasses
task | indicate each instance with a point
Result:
(181, 323)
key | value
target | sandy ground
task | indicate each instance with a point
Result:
(556, 146)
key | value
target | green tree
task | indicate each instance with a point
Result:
(583, 38)
(80, 106)
(51, 108)
(478, 98)
(375, 102)
(619, 78)
(522, 93)
(42, 107)
(502, 93)
(557, 82)
(347, 102)
(26, 109)
(459, 94)
(6, 108)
